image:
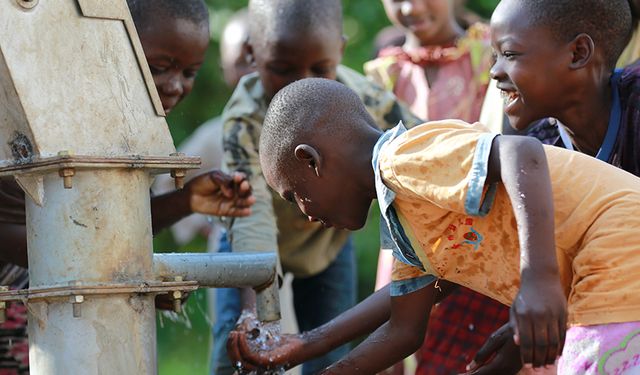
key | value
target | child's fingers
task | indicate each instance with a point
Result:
(251, 358)
(554, 348)
(524, 335)
(513, 323)
(235, 353)
(244, 189)
(542, 343)
(491, 346)
(245, 202)
(562, 331)
(232, 347)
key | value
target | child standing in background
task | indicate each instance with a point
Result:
(441, 72)
(291, 40)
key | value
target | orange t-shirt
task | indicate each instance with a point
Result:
(465, 232)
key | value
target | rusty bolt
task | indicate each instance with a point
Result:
(67, 174)
(178, 175)
(177, 297)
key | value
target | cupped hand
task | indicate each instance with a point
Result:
(219, 194)
(498, 355)
(249, 349)
(538, 318)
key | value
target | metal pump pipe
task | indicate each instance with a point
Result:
(237, 270)
(85, 148)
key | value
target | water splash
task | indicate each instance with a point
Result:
(264, 337)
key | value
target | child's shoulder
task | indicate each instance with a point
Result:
(383, 70)
(355, 81)
(371, 92)
(248, 99)
(434, 135)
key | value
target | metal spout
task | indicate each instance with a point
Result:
(227, 270)
(268, 303)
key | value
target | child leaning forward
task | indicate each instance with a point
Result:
(457, 204)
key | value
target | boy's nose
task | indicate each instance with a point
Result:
(496, 72)
(173, 87)
(410, 7)
(307, 74)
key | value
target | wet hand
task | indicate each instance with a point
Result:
(498, 355)
(219, 194)
(251, 349)
(538, 318)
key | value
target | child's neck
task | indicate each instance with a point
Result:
(365, 175)
(588, 120)
(446, 37)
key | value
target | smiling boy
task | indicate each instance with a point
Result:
(556, 59)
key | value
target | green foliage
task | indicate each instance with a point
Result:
(184, 345)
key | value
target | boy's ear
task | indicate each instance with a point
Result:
(247, 51)
(248, 47)
(309, 155)
(583, 50)
(344, 44)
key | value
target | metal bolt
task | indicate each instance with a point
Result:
(178, 174)
(75, 303)
(177, 297)
(67, 174)
(3, 306)
(76, 300)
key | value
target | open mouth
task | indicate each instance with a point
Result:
(326, 224)
(509, 97)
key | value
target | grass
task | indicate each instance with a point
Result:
(184, 342)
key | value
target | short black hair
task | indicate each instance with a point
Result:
(608, 22)
(143, 11)
(306, 108)
(273, 18)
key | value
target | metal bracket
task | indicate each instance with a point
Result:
(156, 164)
(155, 287)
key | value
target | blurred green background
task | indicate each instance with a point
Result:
(184, 341)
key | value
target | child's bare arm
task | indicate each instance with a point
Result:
(538, 314)
(396, 339)
(371, 314)
(355, 322)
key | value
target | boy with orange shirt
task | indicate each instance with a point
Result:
(457, 202)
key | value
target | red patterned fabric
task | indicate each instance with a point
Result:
(457, 329)
(14, 345)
